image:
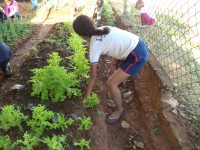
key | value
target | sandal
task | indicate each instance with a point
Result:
(111, 120)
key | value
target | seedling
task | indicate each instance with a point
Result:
(85, 124)
(11, 117)
(56, 142)
(5, 143)
(61, 122)
(91, 101)
(40, 119)
(29, 141)
(83, 144)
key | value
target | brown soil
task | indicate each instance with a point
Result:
(144, 125)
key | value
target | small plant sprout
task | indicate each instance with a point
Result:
(91, 101)
(82, 143)
(40, 119)
(11, 117)
(85, 124)
(29, 141)
(56, 142)
(59, 121)
(5, 143)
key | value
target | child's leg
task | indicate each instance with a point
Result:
(112, 85)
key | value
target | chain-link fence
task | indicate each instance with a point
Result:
(174, 40)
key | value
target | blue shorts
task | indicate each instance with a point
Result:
(5, 54)
(136, 59)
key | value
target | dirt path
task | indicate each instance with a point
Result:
(39, 33)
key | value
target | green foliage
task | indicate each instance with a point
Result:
(40, 119)
(83, 144)
(69, 27)
(78, 60)
(54, 81)
(155, 131)
(11, 117)
(108, 14)
(91, 101)
(5, 143)
(61, 122)
(85, 124)
(29, 141)
(10, 31)
(56, 142)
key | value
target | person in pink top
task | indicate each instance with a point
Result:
(11, 9)
(147, 18)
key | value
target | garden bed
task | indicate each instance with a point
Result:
(142, 126)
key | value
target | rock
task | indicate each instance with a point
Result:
(139, 144)
(173, 102)
(128, 100)
(127, 94)
(110, 103)
(109, 96)
(180, 108)
(55, 118)
(175, 111)
(125, 125)
(30, 106)
(183, 115)
(17, 87)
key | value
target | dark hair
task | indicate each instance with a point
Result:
(84, 26)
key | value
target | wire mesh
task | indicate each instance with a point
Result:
(174, 40)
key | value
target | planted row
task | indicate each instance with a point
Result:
(39, 121)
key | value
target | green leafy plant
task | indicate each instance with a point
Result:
(54, 81)
(155, 131)
(82, 143)
(107, 14)
(11, 116)
(5, 143)
(11, 31)
(91, 101)
(40, 119)
(78, 60)
(85, 124)
(56, 142)
(61, 122)
(29, 141)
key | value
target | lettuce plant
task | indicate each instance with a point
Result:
(78, 60)
(82, 143)
(5, 143)
(54, 81)
(29, 141)
(85, 123)
(56, 142)
(61, 122)
(40, 119)
(11, 116)
(91, 101)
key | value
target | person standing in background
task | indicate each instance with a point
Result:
(98, 11)
(5, 56)
(34, 4)
(11, 9)
(2, 15)
(146, 17)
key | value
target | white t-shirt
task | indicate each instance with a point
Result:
(118, 44)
